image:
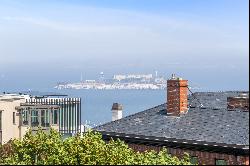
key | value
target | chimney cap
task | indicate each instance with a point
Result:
(173, 77)
(117, 106)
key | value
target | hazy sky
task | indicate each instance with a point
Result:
(45, 41)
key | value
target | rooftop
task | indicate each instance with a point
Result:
(12, 97)
(36, 106)
(35, 94)
(212, 123)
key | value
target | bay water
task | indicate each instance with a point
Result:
(97, 104)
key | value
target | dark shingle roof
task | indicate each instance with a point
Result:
(212, 123)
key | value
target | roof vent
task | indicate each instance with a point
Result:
(116, 111)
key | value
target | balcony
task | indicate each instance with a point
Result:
(38, 115)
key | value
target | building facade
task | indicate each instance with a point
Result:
(69, 113)
(17, 117)
(19, 112)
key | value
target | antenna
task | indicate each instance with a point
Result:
(201, 105)
(101, 79)
(156, 73)
(81, 77)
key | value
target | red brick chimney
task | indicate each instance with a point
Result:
(240, 102)
(177, 95)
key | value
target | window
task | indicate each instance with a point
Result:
(45, 118)
(0, 121)
(220, 162)
(34, 118)
(14, 117)
(54, 116)
(25, 117)
(0, 127)
(194, 160)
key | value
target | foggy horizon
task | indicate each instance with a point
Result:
(43, 42)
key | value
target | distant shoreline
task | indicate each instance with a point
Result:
(116, 86)
(109, 89)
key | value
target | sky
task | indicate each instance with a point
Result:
(43, 42)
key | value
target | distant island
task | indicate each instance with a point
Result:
(129, 81)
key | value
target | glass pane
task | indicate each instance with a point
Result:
(14, 117)
(45, 118)
(221, 162)
(55, 116)
(0, 127)
(25, 117)
(34, 118)
(0, 121)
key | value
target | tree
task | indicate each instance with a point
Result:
(89, 148)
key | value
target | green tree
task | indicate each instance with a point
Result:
(50, 149)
